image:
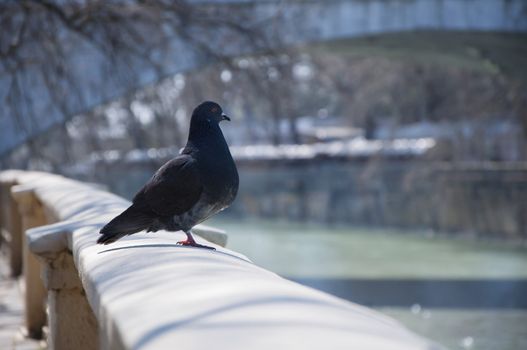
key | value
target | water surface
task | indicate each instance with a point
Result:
(313, 250)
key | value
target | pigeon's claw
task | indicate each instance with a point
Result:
(192, 243)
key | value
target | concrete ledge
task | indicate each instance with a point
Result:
(146, 292)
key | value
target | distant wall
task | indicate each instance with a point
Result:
(478, 199)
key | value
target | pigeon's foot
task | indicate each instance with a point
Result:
(192, 243)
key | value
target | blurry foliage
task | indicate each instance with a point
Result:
(437, 75)
(52, 41)
(391, 80)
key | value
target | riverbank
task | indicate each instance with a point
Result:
(485, 199)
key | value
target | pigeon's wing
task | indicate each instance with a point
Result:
(173, 189)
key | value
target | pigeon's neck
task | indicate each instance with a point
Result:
(204, 134)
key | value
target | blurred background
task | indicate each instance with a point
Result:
(381, 144)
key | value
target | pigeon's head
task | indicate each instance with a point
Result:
(209, 112)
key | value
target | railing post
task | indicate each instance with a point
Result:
(72, 324)
(32, 215)
(11, 228)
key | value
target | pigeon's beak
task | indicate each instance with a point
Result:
(224, 117)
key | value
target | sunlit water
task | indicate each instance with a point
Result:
(463, 293)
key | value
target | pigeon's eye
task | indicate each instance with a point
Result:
(214, 109)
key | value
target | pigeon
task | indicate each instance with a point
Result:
(201, 181)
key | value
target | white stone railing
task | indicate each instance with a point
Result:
(146, 292)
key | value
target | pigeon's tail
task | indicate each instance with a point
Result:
(130, 221)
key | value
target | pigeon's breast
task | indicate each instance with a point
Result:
(218, 177)
(221, 186)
